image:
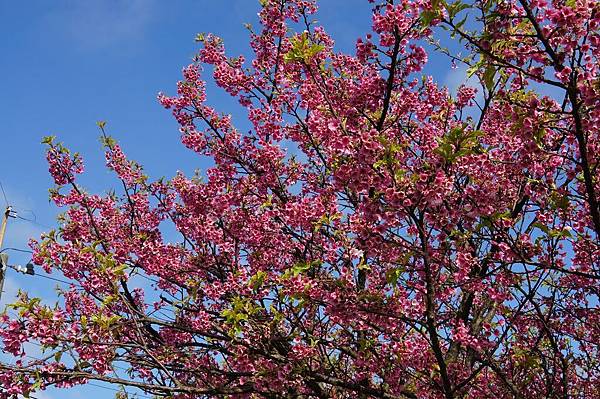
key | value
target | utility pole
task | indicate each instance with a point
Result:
(3, 256)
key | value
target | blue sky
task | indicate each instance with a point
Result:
(67, 64)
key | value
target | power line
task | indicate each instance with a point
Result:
(18, 250)
(42, 276)
(41, 346)
(118, 390)
(34, 221)
(54, 279)
(4, 193)
(27, 211)
(93, 384)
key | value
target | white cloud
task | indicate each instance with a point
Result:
(457, 77)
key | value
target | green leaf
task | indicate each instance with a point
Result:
(559, 201)
(120, 270)
(393, 275)
(458, 143)
(300, 267)
(84, 364)
(427, 16)
(108, 141)
(475, 67)
(257, 280)
(302, 50)
(488, 77)
(362, 265)
(562, 233)
(36, 385)
(456, 7)
(445, 151)
(460, 24)
(538, 137)
(241, 310)
(542, 227)
(48, 139)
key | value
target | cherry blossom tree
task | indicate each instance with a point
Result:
(372, 236)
